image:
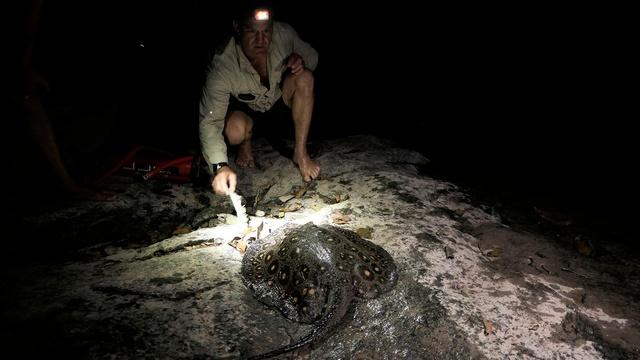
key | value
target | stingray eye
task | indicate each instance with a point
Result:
(283, 275)
(282, 251)
(304, 271)
(365, 273)
(273, 268)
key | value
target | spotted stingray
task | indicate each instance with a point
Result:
(312, 273)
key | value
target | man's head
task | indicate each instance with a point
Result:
(253, 26)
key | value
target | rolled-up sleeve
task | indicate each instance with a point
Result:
(213, 109)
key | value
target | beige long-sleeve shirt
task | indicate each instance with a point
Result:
(231, 74)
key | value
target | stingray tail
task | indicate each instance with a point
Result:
(320, 328)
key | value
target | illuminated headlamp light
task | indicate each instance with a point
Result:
(261, 15)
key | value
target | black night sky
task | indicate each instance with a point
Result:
(525, 103)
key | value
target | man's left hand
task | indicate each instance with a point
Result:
(295, 63)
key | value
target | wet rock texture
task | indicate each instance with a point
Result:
(152, 275)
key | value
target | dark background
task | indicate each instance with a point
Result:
(528, 103)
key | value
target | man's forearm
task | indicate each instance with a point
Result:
(214, 148)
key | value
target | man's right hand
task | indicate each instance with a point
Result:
(224, 183)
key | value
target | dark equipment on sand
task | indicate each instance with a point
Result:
(146, 162)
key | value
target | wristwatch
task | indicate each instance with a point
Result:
(217, 166)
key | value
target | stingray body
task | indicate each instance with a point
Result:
(312, 273)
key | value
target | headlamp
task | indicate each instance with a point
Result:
(261, 15)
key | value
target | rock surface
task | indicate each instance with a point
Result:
(152, 275)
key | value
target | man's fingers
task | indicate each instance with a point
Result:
(232, 183)
(224, 183)
(297, 69)
(218, 188)
(294, 61)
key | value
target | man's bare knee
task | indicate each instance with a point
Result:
(238, 127)
(304, 81)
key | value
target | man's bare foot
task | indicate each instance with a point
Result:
(309, 169)
(245, 155)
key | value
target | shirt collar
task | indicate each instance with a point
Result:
(243, 61)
